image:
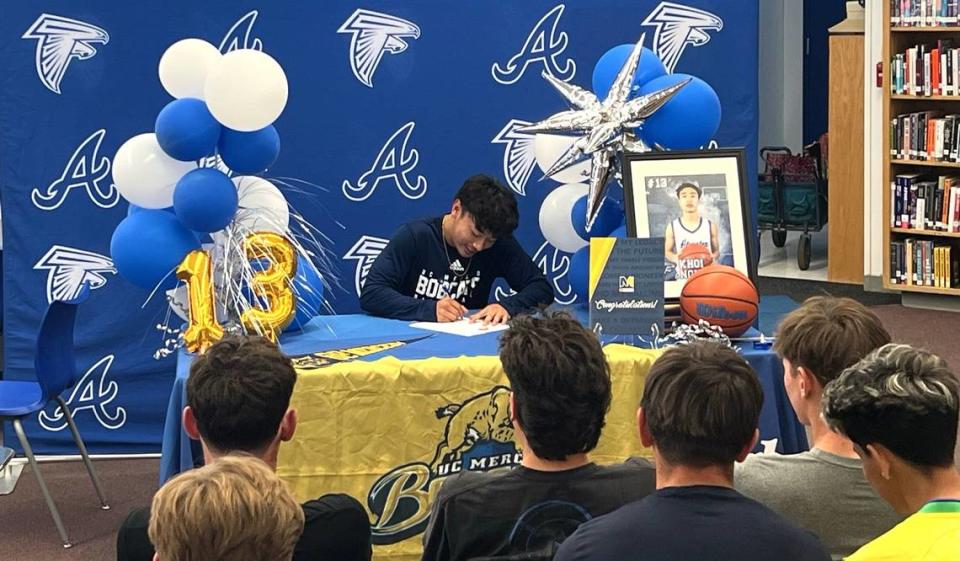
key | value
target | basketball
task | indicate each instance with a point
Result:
(692, 258)
(721, 295)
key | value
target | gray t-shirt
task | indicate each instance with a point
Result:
(821, 492)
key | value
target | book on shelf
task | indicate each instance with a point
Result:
(926, 70)
(918, 262)
(924, 13)
(925, 136)
(925, 202)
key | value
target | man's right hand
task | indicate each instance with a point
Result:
(449, 309)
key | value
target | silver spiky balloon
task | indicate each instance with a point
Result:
(605, 128)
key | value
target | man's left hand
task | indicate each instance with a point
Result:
(493, 314)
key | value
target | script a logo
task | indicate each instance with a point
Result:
(240, 36)
(543, 45)
(678, 26)
(68, 269)
(86, 169)
(60, 40)
(555, 265)
(364, 252)
(92, 393)
(478, 436)
(627, 284)
(518, 156)
(393, 162)
(373, 34)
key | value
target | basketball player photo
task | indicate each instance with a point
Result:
(695, 202)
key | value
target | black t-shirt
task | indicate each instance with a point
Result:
(524, 510)
(335, 528)
(692, 524)
(417, 268)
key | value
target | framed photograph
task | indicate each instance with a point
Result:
(698, 203)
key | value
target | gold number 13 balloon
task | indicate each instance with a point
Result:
(271, 286)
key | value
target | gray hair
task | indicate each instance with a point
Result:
(901, 397)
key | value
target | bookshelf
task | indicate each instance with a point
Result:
(896, 40)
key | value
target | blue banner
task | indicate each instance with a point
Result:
(392, 105)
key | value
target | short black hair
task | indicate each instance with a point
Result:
(903, 398)
(239, 391)
(688, 185)
(702, 404)
(560, 381)
(493, 206)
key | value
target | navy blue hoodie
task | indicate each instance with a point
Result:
(413, 272)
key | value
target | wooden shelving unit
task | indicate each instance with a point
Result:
(896, 40)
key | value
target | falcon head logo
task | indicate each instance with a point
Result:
(373, 34)
(365, 252)
(241, 36)
(678, 26)
(519, 156)
(69, 269)
(59, 41)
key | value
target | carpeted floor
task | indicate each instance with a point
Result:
(27, 532)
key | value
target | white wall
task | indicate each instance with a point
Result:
(781, 74)
(873, 189)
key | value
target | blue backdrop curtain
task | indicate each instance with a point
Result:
(380, 128)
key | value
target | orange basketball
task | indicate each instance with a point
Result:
(721, 295)
(694, 257)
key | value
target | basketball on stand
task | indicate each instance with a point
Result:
(721, 295)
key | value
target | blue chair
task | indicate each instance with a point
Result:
(56, 372)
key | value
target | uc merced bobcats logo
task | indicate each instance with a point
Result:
(59, 41)
(241, 36)
(544, 45)
(477, 436)
(86, 169)
(393, 163)
(555, 265)
(373, 34)
(518, 155)
(364, 252)
(678, 26)
(92, 393)
(68, 269)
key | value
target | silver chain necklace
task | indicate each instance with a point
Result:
(446, 252)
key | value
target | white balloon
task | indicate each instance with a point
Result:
(555, 217)
(262, 207)
(184, 67)
(179, 302)
(246, 90)
(144, 174)
(549, 147)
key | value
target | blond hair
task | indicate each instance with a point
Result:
(233, 509)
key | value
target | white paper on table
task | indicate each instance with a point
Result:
(463, 327)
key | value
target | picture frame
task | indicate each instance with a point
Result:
(710, 213)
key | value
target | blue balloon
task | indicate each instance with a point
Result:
(579, 273)
(249, 152)
(688, 121)
(133, 209)
(610, 216)
(205, 200)
(607, 68)
(308, 286)
(620, 232)
(147, 247)
(186, 130)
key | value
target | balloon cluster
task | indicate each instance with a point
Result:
(223, 110)
(634, 105)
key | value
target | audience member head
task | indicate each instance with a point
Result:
(560, 382)
(817, 341)
(234, 509)
(700, 407)
(899, 407)
(238, 397)
(490, 207)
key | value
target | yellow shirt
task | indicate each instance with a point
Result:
(924, 536)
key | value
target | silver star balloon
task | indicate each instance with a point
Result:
(605, 128)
